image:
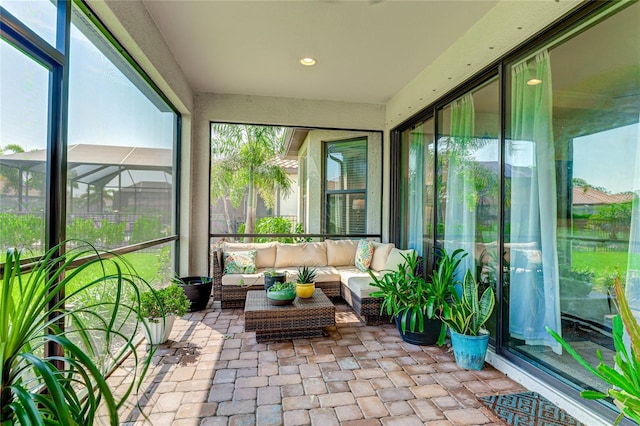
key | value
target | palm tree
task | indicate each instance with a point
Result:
(244, 164)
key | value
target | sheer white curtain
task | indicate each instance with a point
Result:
(534, 284)
(633, 265)
(460, 215)
(415, 198)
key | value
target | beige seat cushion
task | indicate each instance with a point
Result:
(305, 254)
(323, 274)
(380, 254)
(265, 252)
(357, 281)
(341, 252)
(256, 278)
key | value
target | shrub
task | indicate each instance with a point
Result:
(146, 228)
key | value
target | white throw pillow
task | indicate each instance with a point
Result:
(380, 255)
(395, 259)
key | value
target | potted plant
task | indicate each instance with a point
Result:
(465, 316)
(576, 283)
(624, 376)
(197, 289)
(305, 285)
(73, 298)
(415, 303)
(158, 310)
(281, 294)
(271, 276)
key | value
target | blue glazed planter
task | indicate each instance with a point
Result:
(470, 351)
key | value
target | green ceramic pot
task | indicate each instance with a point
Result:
(281, 297)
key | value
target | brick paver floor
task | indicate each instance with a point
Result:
(212, 372)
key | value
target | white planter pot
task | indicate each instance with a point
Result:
(157, 333)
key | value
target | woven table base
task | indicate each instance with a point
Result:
(304, 318)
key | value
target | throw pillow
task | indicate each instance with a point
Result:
(380, 254)
(240, 262)
(364, 254)
(396, 259)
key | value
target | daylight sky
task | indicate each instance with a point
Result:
(105, 107)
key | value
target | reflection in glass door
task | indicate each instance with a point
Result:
(572, 161)
(417, 149)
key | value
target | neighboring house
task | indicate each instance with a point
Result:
(587, 200)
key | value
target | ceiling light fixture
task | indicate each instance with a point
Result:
(534, 82)
(308, 61)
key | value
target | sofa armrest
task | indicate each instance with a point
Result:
(216, 274)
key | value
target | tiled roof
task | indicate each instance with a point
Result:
(587, 195)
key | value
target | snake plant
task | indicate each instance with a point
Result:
(468, 313)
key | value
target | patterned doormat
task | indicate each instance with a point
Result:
(529, 408)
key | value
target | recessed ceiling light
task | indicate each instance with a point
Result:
(308, 61)
(534, 82)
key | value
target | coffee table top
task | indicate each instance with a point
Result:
(257, 301)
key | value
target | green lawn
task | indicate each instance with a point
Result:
(153, 267)
(602, 264)
(150, 266)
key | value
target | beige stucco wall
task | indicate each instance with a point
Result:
(288, 205)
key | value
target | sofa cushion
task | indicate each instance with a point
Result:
(395, 259)
(305, 254)
(257, 278)
(364, 254)
(265, 252)
(341, 252)
(323, 274)
(357, 281)
(240, 262)
(380, 254)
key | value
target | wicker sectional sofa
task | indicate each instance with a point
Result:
(334, 260)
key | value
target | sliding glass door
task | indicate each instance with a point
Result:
(572, 153)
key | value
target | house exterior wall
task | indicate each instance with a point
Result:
(288, 206)
(131, 23)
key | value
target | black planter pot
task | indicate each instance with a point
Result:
(198, 291)
(270, 280)
(428, 337)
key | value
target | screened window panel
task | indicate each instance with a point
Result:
(120, 161)
(24, 89)
(39, 15)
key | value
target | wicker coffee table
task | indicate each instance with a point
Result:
(304, 318)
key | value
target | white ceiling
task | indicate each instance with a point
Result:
(366, 50)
